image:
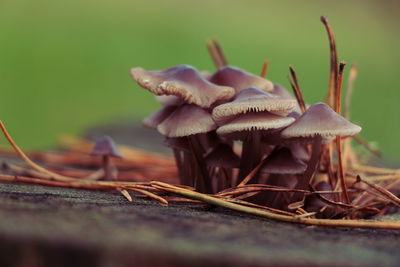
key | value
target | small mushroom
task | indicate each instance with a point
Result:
(252, 100)
(239, 79)
(183, 81)
(279, 90)
(250, 127)
(158, 117)
(191, 121)
(169, 100)
(107, 149)
(318, 122)
(283, 169)
(253, 121)
(187, 120)
(221, 159)
(321, 120)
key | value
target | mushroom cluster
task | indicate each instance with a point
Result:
(232, 127)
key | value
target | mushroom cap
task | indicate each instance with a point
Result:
(281, 91)
(156, 118)
(106, 146)
(254, 122)
(187, 120)
(169, 100)
(239, 79)
(222, 156)
(183, 81)
(282, 161)
(320, 119)
(253, 100)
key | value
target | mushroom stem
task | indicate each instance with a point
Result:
(202, 182)
(251, 153)
(110, 172)
(180, 166)
(312, 166)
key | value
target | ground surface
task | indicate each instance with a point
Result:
(75, 227)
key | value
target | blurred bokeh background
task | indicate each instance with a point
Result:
(64, 65)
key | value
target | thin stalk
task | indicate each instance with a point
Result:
(367, 146)
(296, 89)
(220, 52)
(338, 102)
(214, 55)
(350, 89)
(264, 69)
(334, 62)
(386, 193)
(28, 161)
(312, 164)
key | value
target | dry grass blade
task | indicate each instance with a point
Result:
(350, 88)
(367, 146)
(220, 52)
(376, 170)
(269, 215)
(296, 89)
(28, 161)
(214, 54)
(251, 174)
(264, 69)
(126, 194)
(386, 193)
(334, 61)
(150, 195)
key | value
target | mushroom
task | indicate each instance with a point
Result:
(159, 116)
(239, 79)
(252, 99)
(250, 127)
(187, 120)
(106, 148)
(183, 81)
(317, 123)
(190, 121)
(283, 168)
(221, 159)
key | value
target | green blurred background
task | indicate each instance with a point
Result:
(64, 65)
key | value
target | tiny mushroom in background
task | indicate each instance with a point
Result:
(106, 148)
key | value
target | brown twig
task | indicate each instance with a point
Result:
(386, 193)
(296, 89)
(220, 52)
(334, 61)
(284, 218)
(338, 101)
(367, 146)
(28, 161)
(264, 69)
